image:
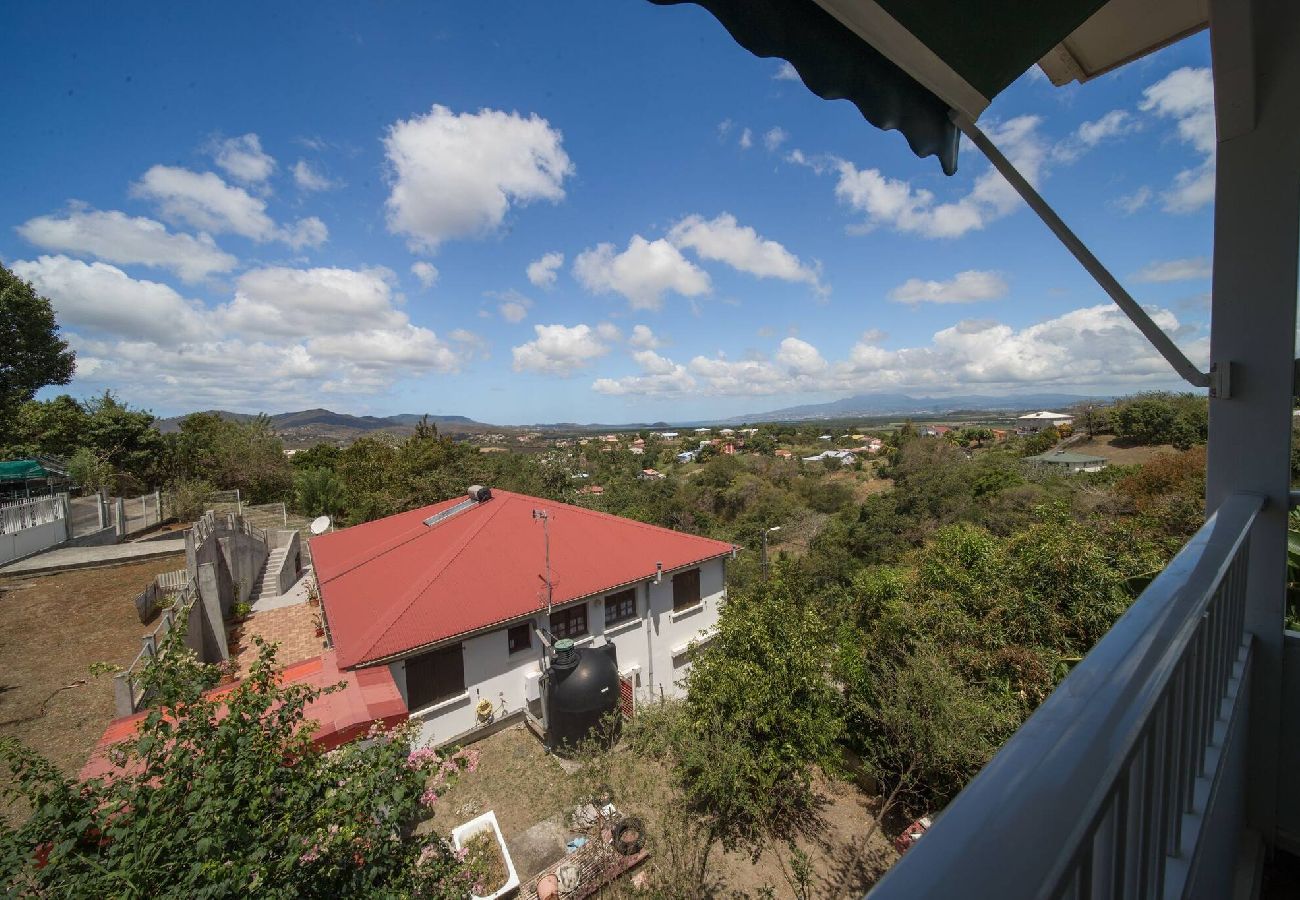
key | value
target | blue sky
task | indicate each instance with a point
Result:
(265, 207)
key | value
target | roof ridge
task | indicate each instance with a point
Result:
(386, 624)
(624, 520)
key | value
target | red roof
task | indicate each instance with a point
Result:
(368, 695)
(396, 584)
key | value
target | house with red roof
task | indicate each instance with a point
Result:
(456, 600)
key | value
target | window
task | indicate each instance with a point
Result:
(686, 589)
(620, 607)
(571, 622)
(432, 677)
(520, 637)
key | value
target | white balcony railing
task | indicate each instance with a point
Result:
(1129, 781)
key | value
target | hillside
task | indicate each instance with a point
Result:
(310, 426)
(903, 404)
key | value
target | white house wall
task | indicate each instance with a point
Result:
(645, 645)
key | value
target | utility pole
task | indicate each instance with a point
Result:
(766, 532)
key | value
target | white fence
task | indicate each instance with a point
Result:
(30, 526)
(137, 513)
(20, 515)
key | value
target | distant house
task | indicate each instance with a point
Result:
(636, 451)
(703, 430)
(686, 456)
(729, 449)
(591, 489)
(783, 454)
(639, 442)
(667, 435)
(650, 474)
(610, 439)
(726, 432)
(825, 437)
(1065, 461)
(450, 601)
(845, 457)
(1043, 419)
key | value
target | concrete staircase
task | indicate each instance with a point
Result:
(269, 586)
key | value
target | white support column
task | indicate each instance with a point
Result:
(1256, 234)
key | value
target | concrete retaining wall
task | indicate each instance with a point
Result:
(291, 566)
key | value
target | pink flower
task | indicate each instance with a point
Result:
(310, 856)
(429, 797)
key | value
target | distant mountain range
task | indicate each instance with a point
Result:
(309, 426)
(904, 404)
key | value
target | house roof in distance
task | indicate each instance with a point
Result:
(1046, 415)
(396, 584)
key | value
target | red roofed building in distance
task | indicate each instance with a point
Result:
(448, 597)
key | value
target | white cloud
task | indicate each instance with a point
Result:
(456, 176)
(970, 286)
(514, 306)
(115, 237)
(643, 338)
(775, 137)
(895, 204)
(243, 159)
(285, 334)
(642, 273)
(308, 178)
(102, 299)
(289, 302)
(1116, 123)
(746, 139)
(1187, 96)
(1192, 269)
(559, 349)
(1131, 203)
(1090, 348)
(722, 239)
(425, 271)
(204, 201)
(541, 271)
(786, 72)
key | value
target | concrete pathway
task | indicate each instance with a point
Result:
(63, 558)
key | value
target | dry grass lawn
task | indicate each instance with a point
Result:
(523, 785)
(52, 628)
(1120, 455)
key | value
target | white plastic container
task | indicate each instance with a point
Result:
(461, 834)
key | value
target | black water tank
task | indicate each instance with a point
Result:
(581, 690)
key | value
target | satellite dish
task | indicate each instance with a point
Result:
(320, 525)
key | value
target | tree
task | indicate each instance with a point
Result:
(34, 355)
(229, 797)
(762, 713)
(317, 492)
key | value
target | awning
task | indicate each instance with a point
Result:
(31, 469)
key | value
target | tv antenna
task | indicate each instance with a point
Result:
(546, 538)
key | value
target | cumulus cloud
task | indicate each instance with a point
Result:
(286, 302)
(560, 349)
(514, 306)
(970, 286)
(205, 201)
(541, 271)
(746, 139)
(425, 271)
(643, 338)
(1116, 123)
(1191, 269)
(642, 273)
(894, 203)
(309, 178)
(1186, 95)
(1131, 203)
(1093, 347)
(115, 237)
(457, 175)
(98, 298)
(723, 239)
(243, 159)
(285, 333)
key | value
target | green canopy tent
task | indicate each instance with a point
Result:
(17, 476)
(929, 68)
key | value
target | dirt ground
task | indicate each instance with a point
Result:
(1120, 455)
(523, 785)
(52, 628)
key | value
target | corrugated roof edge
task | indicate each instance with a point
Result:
(492, 626)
